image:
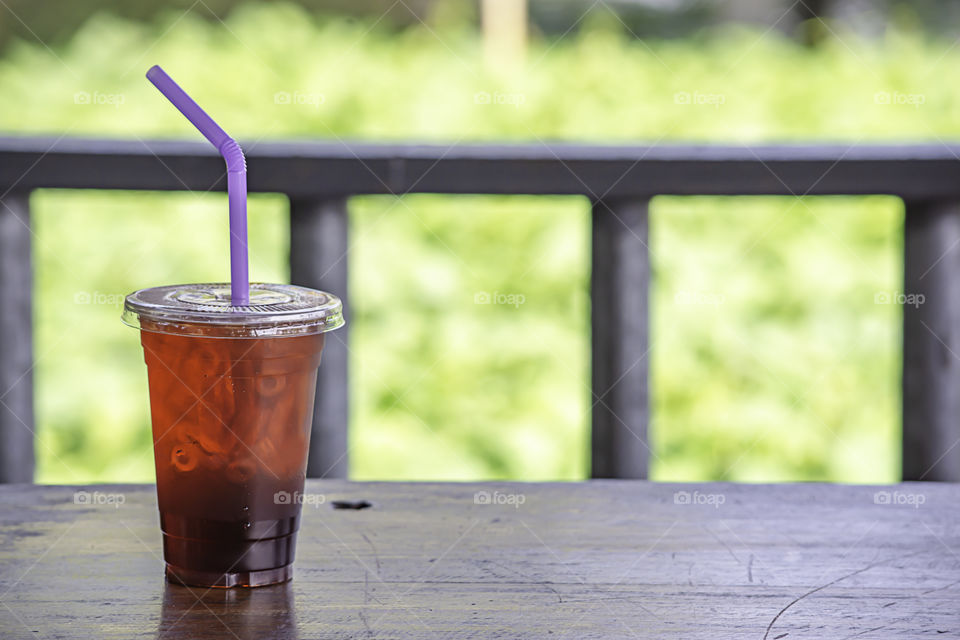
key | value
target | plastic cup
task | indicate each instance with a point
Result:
(231, 401)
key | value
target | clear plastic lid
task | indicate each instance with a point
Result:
(206, 310)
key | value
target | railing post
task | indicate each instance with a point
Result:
(931, 341)
(318, 259)
(16, 341)
(619, 284)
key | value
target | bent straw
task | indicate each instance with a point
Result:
(236, 178)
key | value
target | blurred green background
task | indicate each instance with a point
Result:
(771, 359)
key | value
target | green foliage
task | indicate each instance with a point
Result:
(771, 360)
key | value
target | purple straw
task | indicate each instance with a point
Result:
(236, 178)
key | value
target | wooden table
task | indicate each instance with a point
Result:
(610, 559)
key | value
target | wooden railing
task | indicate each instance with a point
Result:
(318, 178)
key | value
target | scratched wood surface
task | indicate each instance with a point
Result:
(605, 559)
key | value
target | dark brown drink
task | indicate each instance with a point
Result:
(231, 407)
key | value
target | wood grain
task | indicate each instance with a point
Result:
(605, 559)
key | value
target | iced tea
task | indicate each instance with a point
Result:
(231, 419)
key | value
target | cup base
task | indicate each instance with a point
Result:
(213, 579)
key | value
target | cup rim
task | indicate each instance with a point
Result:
(205, 310)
